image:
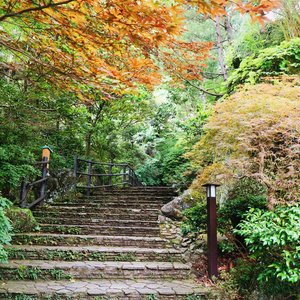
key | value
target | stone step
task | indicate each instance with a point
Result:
(96, 229)
(93, 253)
(137, 189)
(98, 222)
(104, 210)
(92, 215)
(45, 270)
(106, 289)
(109, 205)
(120, 200)
(112, 203)
(132, 194)
(143, 188)
(132, 197)
(87, 240)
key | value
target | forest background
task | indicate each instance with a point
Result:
(161, 85)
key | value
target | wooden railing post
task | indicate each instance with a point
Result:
(44, 175)
(22, 203)
(124, 176)
(75, 166)
(89, 178)
(110, 174)
(108, 177)
(130, 177)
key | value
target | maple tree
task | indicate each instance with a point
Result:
(256, 137)
(109, 45)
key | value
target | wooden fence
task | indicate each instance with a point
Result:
(92, 175)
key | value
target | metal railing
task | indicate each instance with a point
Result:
(40, 184)
(91, 175)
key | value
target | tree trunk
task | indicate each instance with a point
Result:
(88, 143)
(228, 28)
(220, 49)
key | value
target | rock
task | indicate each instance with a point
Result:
(174, 208)
(161, 219)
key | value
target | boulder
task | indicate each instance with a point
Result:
(174, 208)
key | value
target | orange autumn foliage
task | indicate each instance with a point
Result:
(109, 45)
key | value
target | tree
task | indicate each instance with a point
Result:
(254, 136)
(109, 45)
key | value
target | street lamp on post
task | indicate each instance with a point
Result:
(211, 192)
(46, 151)
(45, 168)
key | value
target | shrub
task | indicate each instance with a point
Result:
(282, 59)
(229, 215)
(255, 137)
(15, 163)
(234, 211)
(5, 228)
(195, 219)
(227, 287)
(272, 238)
(21, 219)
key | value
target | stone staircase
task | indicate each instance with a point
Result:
(106, 246)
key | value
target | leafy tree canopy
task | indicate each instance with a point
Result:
(109, 45)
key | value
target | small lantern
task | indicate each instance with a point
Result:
(211, 189)
(46, 154)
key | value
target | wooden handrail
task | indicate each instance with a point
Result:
(126, 173)
(26, 187)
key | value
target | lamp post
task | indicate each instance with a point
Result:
(211, 191)
(45, 167)
(46, 151)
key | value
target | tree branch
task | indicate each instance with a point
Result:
(30, 9)
(201, 89)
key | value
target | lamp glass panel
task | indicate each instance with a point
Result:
(208, 191)
(212, 191)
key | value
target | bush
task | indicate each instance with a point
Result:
(22, 219)
(272, 238)
(282, 59)
(234, 211)
(15, 163)
(254, 137)
(5, 228)
(229, 215)
(195, 219)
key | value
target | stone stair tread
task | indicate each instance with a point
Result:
(104, 287)
(109, 204)
(44, 264)
(97, 249)
(94, 219)
(92, 236)
(65, 207)
(99, 226)
(86, 214)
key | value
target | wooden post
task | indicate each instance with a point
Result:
(89, 178)
(212, 237)
(22, 203)
(130, 177)
(124, 176)
(110, 174)
(44, 175)
(75, 166)
(212, 230)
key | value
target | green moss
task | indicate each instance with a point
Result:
(22, 219)
(33, 273)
